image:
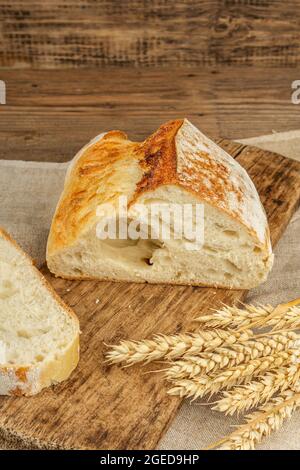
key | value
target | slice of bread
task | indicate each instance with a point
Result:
(39, 334)
(176, 165)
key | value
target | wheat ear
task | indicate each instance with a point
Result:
(207, 362)
(199, 386)
(261, 423)
(174, 346)
(241, 399)
(234, 316)
(250, 316)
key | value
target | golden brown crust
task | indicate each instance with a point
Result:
(59, 369)
(176, 154)
(158, 158)
(80, 199)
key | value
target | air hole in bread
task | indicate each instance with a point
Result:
(118, 243)
(39, 358)
(7, 284)
(231, 233)
(44, 331)
(137, 252)
(211, 271)
(78, 272)
(24, 334)
(257, 249)
(210, 249)
(78, 257)
(7, 289)
(228, 275)
(231, 266)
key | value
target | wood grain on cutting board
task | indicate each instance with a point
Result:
(107, 407)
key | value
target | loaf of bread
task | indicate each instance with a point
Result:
(176, 165)
(39, 334)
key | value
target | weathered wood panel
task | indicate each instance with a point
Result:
(107, 407)
(88, 33)
(49, 115)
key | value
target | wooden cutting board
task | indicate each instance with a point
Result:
(107, 407)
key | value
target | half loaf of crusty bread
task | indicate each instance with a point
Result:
(177, 164)
(39, 334)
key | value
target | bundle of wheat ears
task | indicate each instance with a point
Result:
(251, 354)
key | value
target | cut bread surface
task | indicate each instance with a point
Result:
(40, 334)
(178, 164)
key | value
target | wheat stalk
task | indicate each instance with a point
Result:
(199, 386)
(234, 316)
(243, 398)
(206, 362)
(261, 423)
(174, 346)
(291, 319)
(209, 361)
(283, 316)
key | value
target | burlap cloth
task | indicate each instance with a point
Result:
(28, 196)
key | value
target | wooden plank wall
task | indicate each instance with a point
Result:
(89, 33)
(50, 114)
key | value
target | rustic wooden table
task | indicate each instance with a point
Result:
(148, 63)
(50, 114)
